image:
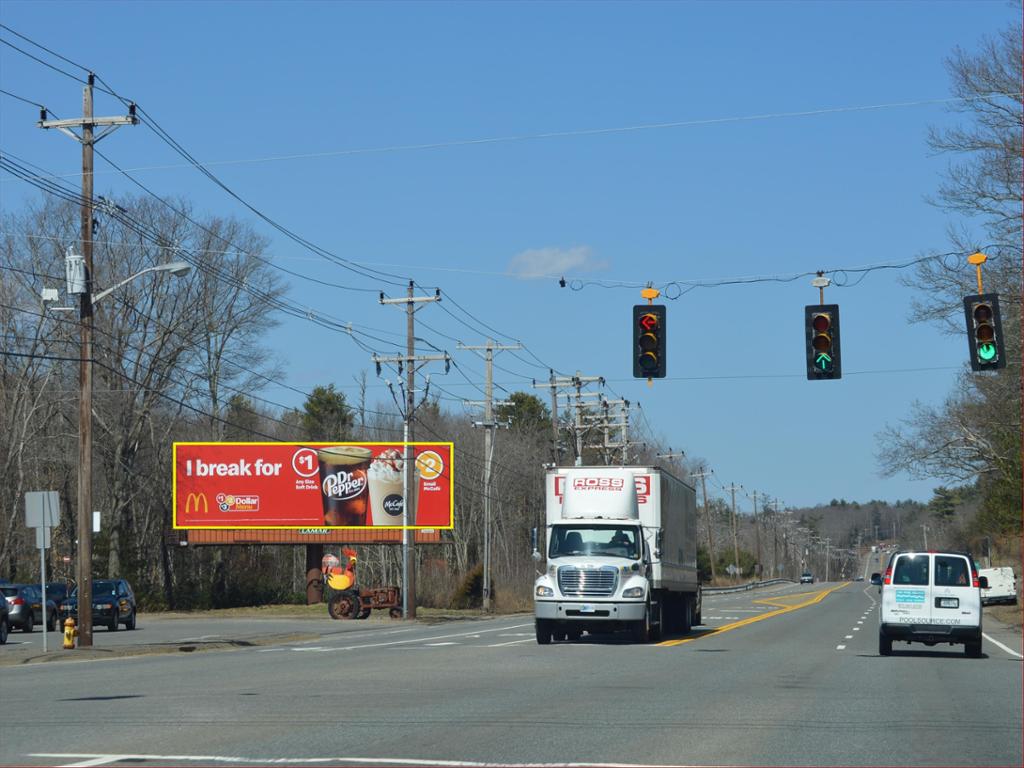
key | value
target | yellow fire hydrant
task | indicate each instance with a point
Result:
(70, 633)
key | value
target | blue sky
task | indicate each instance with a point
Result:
(286, 100)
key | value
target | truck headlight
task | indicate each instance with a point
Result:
(633, 592)
(543, 591)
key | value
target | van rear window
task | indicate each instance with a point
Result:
(951, 572)
(911, 569)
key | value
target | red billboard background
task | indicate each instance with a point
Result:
(303, 485)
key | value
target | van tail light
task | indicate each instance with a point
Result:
(974, 579)
(888, 576)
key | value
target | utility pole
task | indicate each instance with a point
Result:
(578, 381)
(707, 518)
(88, 139)
(757, 537)
(828, 555)
(553, 384)
(735, 545)
(489, 426)
(409, 493)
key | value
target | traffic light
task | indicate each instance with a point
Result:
(821, 323)
(984, 331)
(649, 341)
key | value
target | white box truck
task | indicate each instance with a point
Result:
(621, 554)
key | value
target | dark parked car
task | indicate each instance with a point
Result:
(4, 626)
(25, 607)
(57, 591)
(113, 603)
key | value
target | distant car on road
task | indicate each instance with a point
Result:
(806, 577)
(858, 578)
(113, 603)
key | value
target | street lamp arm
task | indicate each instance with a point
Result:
(177, 268)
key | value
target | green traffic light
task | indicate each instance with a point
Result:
(987, 352)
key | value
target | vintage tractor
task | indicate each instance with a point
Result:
(345, 600)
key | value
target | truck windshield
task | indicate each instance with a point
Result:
(613, 540)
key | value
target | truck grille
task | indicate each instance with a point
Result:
(587, 582)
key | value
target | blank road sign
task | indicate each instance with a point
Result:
(42, 509)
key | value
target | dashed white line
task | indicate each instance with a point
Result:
(856, 629)
(840, 647)
(849, 637)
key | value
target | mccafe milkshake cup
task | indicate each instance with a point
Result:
(386, 478)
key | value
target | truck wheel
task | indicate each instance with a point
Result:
(657, 621)
(973, 649)
(884, 645)
(685, 614)
(642, 628)
(543, 632)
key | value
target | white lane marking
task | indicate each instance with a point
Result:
(856, 629)
(315, 648)
(860, 621)
(996, 642)
(421, 640)
(513, 634)
(511, 642)
(197, 639)
(438, 645)
(103, 760)
(840, 647)
(849, 637)
(92, 759)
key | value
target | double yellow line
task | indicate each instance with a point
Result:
(781, 608)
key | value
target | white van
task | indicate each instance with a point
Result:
(931, 598)
(1002, 586)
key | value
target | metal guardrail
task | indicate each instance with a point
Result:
(745, 587)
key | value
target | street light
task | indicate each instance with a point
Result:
(79, 282)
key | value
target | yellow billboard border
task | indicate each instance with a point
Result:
(174, 490)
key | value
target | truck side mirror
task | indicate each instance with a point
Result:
(533, 545)
(983, 582)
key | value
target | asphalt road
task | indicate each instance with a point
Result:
(787, 676)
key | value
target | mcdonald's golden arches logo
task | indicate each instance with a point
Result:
(198, 503)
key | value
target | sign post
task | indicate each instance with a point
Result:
(42, 512)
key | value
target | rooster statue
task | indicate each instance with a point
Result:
(340, 578)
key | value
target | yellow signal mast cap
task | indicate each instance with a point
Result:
(650, 293)
(977, 258)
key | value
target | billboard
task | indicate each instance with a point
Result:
(263, 486)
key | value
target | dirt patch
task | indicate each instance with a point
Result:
(1011, 615)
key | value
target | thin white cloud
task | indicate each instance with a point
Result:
(554, 262)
